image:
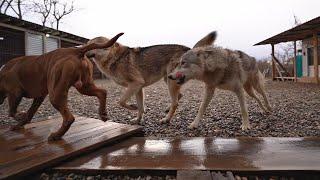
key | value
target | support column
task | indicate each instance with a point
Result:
(315, 57)
(295, 61)
(273, 64)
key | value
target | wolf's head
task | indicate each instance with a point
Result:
(191, 63)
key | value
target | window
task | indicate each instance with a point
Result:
(310, 55)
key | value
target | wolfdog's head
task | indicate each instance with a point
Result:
(191, 63)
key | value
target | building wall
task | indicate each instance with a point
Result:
(11, 44)
(308, 71)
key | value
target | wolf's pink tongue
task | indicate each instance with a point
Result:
(178, 74)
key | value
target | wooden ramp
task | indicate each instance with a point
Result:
(27, 150)
(239, 154)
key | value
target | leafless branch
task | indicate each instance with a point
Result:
(61, 10)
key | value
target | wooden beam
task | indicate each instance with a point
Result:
(294, 61)
(316, 57)
(282, 67)
(273, 64)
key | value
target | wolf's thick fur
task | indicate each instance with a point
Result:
(136, 68)
(225, 69)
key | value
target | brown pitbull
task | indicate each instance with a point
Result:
(52, 73)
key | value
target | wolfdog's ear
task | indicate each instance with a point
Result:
(207, 40)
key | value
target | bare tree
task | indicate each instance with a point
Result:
(44, 9)
(60, 10)
(17, 7)
(5, 5)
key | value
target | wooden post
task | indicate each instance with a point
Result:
(294, 61)
(315, 57)
(273, 64)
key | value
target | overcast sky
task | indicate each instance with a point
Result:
(240, 23)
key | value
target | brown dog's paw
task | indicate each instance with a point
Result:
(21, 116)
(16, 127)
(54, 137)
(103, 116)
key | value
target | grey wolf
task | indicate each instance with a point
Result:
(224, 69)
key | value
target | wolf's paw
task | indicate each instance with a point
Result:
(164, 120)
(193, 125)
(167, 109)
(135, 120)
(133, 107)
(245, 126)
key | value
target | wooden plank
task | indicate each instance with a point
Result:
(316, 57)
(29, 151)
(220, 154)
(193, 175)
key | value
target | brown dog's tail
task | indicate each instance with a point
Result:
(82, 50)
(207, 40)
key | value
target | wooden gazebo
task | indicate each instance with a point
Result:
(307, 30)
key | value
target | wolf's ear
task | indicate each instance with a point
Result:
(207, 40)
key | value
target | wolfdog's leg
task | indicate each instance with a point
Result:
(132, 89)
(174, 91)
(243, 107)
(179, 96)
(140, 103)
(250, 91)
(209, 92)
(259, 87)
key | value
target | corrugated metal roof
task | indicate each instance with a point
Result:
(39, 28)
(300, 32)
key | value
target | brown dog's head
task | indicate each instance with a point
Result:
(191, 63)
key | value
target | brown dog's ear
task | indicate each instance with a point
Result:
(207, 40)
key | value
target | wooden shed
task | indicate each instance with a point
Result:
(19, 38)
(309, 34)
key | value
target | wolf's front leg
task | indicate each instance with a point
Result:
(243, 107)
(141, 110)
(209, 91)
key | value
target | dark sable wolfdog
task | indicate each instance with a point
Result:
(136, 68)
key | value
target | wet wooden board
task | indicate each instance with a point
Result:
(239, 154)
(28, 150)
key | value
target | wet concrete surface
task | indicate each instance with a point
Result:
(237, 154)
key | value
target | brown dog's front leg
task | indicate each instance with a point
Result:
(25, 118)
(101, 94)
(14, 101)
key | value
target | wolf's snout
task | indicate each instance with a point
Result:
(171, 77)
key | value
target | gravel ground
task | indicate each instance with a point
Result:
(296, 111)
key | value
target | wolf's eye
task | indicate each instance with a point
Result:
(183, 63)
